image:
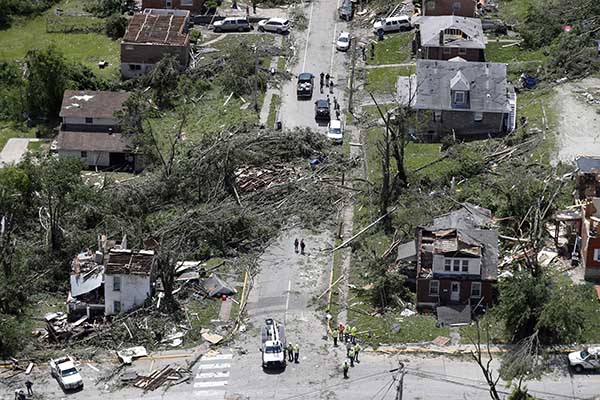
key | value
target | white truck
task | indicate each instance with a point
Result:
(273, 344)
(65, 372)
(585, 359)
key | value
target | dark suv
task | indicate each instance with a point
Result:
(322, 110)
(305, 85)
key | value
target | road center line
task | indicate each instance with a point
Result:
(308, 35)
(287, 301)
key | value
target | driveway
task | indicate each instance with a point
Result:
(13, 151)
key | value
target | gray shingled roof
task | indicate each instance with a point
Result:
(488, 89)
(431, 26)
(92, 104)
(94, 141)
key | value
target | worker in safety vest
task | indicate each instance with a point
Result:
(345, 368)
(353, 334)
(357, 350)
(347, 333)
(290, 352)
(351, 356)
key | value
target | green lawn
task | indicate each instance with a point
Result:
(395, 49)
(273, 108)
(383, 80)
(87, 48)
(35, 146)
(500, 52)
(514, 11)
(9, 130)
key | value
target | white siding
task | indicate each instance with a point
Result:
(94, 158)
(438, 265)
(135, 289)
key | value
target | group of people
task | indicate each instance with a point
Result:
(292, 352)
(20, 394)
(302, 246)
(347, 334)
(326, 80)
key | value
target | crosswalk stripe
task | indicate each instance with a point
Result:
(209, 384)
(214, 366)
(210, 394)
(217, 357)
(212, 375)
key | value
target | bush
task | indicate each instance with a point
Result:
(115, 27)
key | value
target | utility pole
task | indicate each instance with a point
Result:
(400, 387)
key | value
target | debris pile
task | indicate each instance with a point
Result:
(59, 330)
(249, 179)
(159, 377)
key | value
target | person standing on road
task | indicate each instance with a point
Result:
(29, 385)
(302, 246)
(331, 86)
(335, 103)
(348, 347)
(296, 353)
(341, 332)
(327, 78)
(322, 83)
(335, 338)
(296, 245)
(345, 368)
(322, 78)
(357, 350)
(351, 355)
(290, 351)
(337, 114)
(347, 333)
(353, 334)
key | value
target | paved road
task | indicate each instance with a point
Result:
(13, 151)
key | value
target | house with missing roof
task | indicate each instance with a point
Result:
(90, 131)
(448, 36)
(152, 35)
(457, 263)
(468, 100)
(463, 8)
(193, 6)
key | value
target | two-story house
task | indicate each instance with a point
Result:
(193, 6)
(464, 99)
(463, 8)
(151, 36)
(90, 131)
(128, 277)
(457, 259)
(448, 36)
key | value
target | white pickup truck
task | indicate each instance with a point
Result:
(585, 359)
(65, 372)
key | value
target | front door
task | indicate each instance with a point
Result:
(454, 291)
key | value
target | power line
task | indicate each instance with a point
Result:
(391, 382)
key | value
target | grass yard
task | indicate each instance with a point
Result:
(532, 104)
(9, 130)
(514, 11)
(383, 80)
(273, 109)
(86, 48)
(395, 49)
(501, 53)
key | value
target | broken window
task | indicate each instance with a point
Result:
(89, 120)
(447, 264)
(84, 154)
(116, 283)
(434, 288)
(117, 307)
(465, 265)
(476, 289)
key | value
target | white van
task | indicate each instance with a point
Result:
(392, 24)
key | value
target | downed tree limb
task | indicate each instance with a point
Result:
(330, 287)
(344, 244)
(513, 239)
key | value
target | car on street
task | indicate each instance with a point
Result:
(305, 85)
(392, 24)
(335, 131)
(64, 371)
(322, 110)
(343, 41)
(277, 25)
(346, 10)
(232, 24)
(586, 359)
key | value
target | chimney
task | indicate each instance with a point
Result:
(441, 37)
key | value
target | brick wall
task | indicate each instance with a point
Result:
(425, 300)
(462, 122)
(464, 8)
(441, 53)
(141, 53)
(193, 6)
(588, 244)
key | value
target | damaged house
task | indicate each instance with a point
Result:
(463, 8)
(457, 263)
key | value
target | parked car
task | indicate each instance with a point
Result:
(278, 25)
(322, 109)
(392, 24)
(335, 131)
(346, 10)
(495, 25)
(305, 85)
(343, 41)
(585, 359)
(232, 24)
(65, 372)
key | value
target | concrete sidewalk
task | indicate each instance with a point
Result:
(14, 150)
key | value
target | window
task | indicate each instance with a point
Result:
(187, 2)
(116, 283)
(456, 265)
(464, 265)
(89, 120)
(456, 7)
(477, 117)
(431, 5)
(117, 307)
(459, 97)
(462, 51)
(596, 254)
(84, 154)
(476, 289)
(135, 67)
(446, 50)
(447, 264)
(437, 116)
(168, 4)
(434, 288)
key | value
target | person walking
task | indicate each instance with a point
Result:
(322, 76)
(321, 85)
(327, 78)
(331, 86)
(353, 334)
(351, 355)
(341, 331)
(372, 50)
(337, 114)
(357, 350)
(348, 347)
(347, 333)
(335, 338)
(335, 103)
(290, 351)
(296, 245)
(345, 368)
(302, 246)
(29, 386)
(296, 353)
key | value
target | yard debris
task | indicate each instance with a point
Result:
(127, 355)
(441, 340)
(60, 330)
(253, 178)
(407, 312)
(174, 339)
(217, 287)
(168, 375)
(212, 338)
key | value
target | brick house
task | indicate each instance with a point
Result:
(151, 36)
(463, 8)
(590, 239)
(193, 6)
(90, 131)
(465, 99)
(446, 37)
(457, 260)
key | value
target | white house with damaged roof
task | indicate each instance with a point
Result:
(460, 98)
